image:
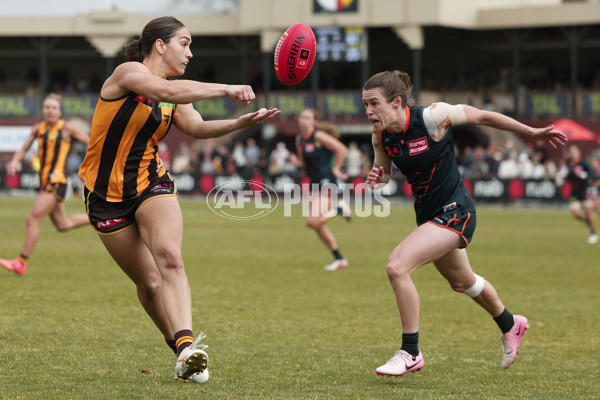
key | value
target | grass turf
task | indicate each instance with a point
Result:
(279, 327)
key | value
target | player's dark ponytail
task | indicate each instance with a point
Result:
(159, 28)
(133, 51)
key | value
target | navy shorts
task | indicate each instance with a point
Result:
(109, 217)
(462, 223)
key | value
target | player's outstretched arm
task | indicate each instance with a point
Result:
(496, 120)
(190, 122)
(136, 77)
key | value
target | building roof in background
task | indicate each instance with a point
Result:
(69, 8)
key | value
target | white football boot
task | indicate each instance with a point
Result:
(192, 360)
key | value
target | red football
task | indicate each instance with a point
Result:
(295, 54)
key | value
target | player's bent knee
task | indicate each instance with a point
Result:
(171, 257)
(150, 289)
(313, 223)
(394, 269)
(62, 228)
(477, 288)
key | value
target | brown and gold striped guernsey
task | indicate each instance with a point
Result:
(122, 158)
(53, 152)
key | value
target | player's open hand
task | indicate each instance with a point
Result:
(243, 93)
(550, 135)
(338, 173)
(257, 117)
(13, 168)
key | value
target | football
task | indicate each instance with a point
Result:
(295, 54)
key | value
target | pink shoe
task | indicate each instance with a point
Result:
(7, 264)
(14, 265)
(511, 340)
(401, 363)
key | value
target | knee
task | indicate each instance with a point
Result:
(396, 268)
(149, 289)
(313, 223)
(469, 288)
(32, 220)
(61, 227)
(459, 287)
(170, 257)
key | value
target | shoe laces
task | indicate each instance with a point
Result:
(196, 344)
(399, 358)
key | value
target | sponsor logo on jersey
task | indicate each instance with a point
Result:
(394, 150)
(166, 105)
(417, 146)
(450, 206)
(143, 100)
(309, 147)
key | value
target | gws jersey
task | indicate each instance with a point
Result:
(429, 166)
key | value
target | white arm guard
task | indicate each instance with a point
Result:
(439, 114)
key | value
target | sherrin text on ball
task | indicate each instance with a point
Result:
(295, 54)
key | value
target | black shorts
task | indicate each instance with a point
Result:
(462, 223)
(111, 217)
(57, 189)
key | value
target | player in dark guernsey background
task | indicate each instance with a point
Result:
(317, 145)
(580, 174)
(418, 140)
(54, 136)
(130, 198)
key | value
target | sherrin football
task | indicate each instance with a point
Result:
(295, 54)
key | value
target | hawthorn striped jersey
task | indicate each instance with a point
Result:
(429, 166)
(122, 158)
(53, 151)
(317, 160)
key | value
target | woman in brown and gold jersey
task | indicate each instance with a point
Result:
(130, 198)
(54, 136)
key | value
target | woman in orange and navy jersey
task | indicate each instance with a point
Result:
(131, 199)
(54, 137)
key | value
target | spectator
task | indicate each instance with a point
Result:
(238, 156)
(252, 154)
(479, 168)
(278, 160)
(509, 167)
(181, 162)
(525, 166)
(353, 160)
(538, 171)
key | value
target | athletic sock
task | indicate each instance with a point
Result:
(505, 321)
(337, 254)
(172, 344)
(410, 343)
(183, 339)
(23, 259)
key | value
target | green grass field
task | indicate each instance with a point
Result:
(279, 327)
